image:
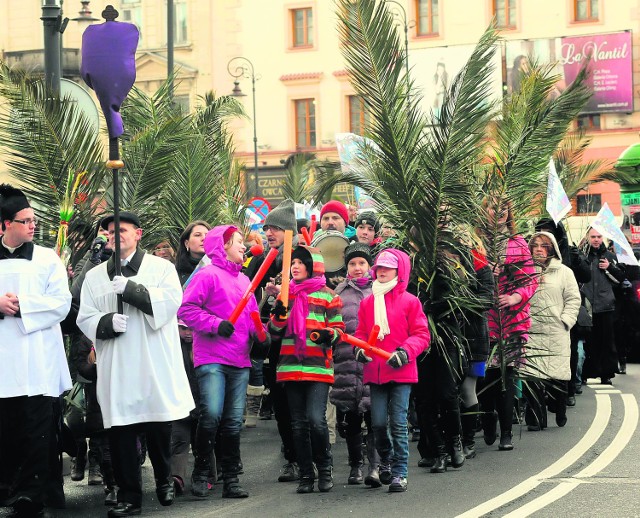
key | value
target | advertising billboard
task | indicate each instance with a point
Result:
(610, 70)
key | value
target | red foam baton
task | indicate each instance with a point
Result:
(257, 323)
(368, 347)
(314, 225)
(305, 235)
(262, 271)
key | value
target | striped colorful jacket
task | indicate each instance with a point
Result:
(316, 364)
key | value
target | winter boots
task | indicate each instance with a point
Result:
(252, 408)
(469, 421)
(354, 447)
(373, 476)
(200, 476)
(325, 479)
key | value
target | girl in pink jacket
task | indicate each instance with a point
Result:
(404, 331)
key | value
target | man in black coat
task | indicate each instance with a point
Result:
(601, 355)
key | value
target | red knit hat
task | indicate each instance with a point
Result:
(337, 207)
(228, 233)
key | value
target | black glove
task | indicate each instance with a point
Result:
(324, 337)
(260, 350)
(279, 311)
(361, 356)
(398, 359)
(225, 328)
(574, 255)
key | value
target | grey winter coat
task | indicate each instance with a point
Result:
(349, 394)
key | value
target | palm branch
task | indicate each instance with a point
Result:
(49, 144)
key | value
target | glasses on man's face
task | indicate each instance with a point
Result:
(273, 228)
(27, 222)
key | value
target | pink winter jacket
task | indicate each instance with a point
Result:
(518, 276)
(407, 322)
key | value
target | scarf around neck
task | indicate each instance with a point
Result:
(297, 325)
(361, 282)
(379, 306)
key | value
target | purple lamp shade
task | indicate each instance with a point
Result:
(109, 67)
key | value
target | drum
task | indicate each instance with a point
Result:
(331, 244)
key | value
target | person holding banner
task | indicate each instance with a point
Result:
(220, 356)
(601, 359)
(404, 332)
(306, 364)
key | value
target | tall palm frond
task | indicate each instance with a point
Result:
(48, 142)
(576, 173)
(296, 184)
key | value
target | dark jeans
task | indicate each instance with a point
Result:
(280, 404)
(29, 457)
(126, 463)
(494, 396)
(308, 406)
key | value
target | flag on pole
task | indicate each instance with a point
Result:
(623, 255)
(605, 223)
(558, 204)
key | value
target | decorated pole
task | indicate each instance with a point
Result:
(109, 68)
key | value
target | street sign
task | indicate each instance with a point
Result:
(260, 206)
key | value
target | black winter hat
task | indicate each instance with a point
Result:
(368, 218)
(12, 201)
(358, 250)
(283, 216)
(301, 253)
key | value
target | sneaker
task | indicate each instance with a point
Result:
(469, 451)
(95, 476)
(289, 472)
(571, 401)
(398, 485)
(385, 473)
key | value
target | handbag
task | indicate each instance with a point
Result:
(584, 315)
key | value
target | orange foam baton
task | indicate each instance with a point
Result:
(262, 271)
(257, 323)
(368, 347)
(287, 249)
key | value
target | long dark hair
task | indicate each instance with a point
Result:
(182, 257)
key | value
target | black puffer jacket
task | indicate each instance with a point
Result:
(599, 290)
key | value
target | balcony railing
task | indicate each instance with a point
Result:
(32, 61)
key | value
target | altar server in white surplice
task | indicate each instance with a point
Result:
(34, 299)
(142, 385)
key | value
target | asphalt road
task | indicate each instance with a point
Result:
(588, 468)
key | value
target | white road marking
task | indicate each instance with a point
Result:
(622, 438)
(610, 391)
(597, 428)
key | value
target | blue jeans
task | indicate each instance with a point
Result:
(390, 403)
(308, 407)
(223, 392)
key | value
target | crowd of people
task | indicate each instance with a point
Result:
(167, 357)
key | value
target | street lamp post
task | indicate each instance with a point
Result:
(52, 22)
(399, 10)
(241, 67)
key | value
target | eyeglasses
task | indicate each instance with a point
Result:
(273, 228)
(27, 221)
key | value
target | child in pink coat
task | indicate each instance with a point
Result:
(404, 332)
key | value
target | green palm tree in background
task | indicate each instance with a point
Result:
(178, 167)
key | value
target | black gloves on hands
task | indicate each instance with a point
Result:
(225, 329)
(324, 337)
(398, 359)
(361, 356)
(279, 311)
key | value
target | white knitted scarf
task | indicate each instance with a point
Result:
(379, 307)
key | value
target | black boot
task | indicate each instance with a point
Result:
(456, 452)
(489, 425)
(440, 464)
(469, 422)
(505, 441)
(373, 476)
(325, 479)
(231, 465)
(200, 476)
(354, 447)
(233, 489)
(79, 463)
(305, 485)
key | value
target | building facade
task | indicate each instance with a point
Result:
(302, 92)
